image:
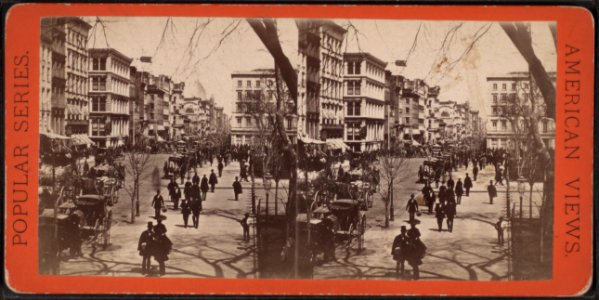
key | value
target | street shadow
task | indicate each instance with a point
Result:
(437, 229)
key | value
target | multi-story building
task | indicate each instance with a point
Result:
(364, 97)
(53, 78)
(432, 122)
(511, 89)
(320, 79)
(256, 93)
(137, 91)
(109, 76)
(177, 116)
(77, 65)
(393, 90)
(413, 111)
(46, 65)
(157, 108)
(446, 114)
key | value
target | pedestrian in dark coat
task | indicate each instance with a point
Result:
(440, 215)
(157, 204)
(221, 166)
(475, 171)
(450, 212)
(442, 193)
(144, 246)
(196, 178)
(175, 196)
(416, 250)
(398, 250)
(237, 188)
(212, 181)
(162, 247)
(204, 187)
(492, 191)
(196, 208)
(459, 191)
(185, 211)
(467, 184)
(412, 207)
(450, 183)
(426, 193)
(187, 190)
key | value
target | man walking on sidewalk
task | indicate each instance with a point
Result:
(440, 215)
(492, 191)
(412, 207)
(475, 171)
(213, 181)
(157, 204)
(237, 188)
(467, 184)
(450, 212)
(204, 187)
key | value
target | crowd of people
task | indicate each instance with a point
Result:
(442, 200)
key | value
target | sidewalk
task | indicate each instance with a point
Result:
(214, 250)
(470, 252)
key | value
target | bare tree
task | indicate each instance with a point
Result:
(136, 165)
(266, 30)
(392, 164)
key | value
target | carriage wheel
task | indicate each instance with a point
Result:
(350, 235)
(106, 228)
(115, 195)
(361, 230)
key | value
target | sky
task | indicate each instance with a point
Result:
(221, 46)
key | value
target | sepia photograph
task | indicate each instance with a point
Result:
(280, 148)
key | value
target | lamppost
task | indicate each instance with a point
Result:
(521, 190)
(267, 181)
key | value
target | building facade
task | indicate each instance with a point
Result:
(507, 91)
(413, 111)
(320, 79)
(364, 97)
(109, 80)
(157, 108)
(53, 75)
(255, 101)
(77, 65)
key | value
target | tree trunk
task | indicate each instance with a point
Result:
(387, 213)
(133, 205)
(137, 196)
(520, 36)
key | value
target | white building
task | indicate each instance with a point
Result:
(364, 97)
(320, 79)
(109, 79)
(510, 88)
(256, 93)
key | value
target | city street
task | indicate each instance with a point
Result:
(216, 249)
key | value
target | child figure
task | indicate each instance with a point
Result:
(246, 227)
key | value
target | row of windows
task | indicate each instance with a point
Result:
(354, 67)
(76, 61)
(76, 38)
(353, 87)
(258, 83)
(76, 84)
(513, 86)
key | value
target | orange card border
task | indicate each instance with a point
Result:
(572, 272)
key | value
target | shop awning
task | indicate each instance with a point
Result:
(54, 136)
(337, 144)
(308, 140)
(81, 139)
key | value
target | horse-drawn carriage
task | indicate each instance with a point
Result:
(341, 223)
(86, 217)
